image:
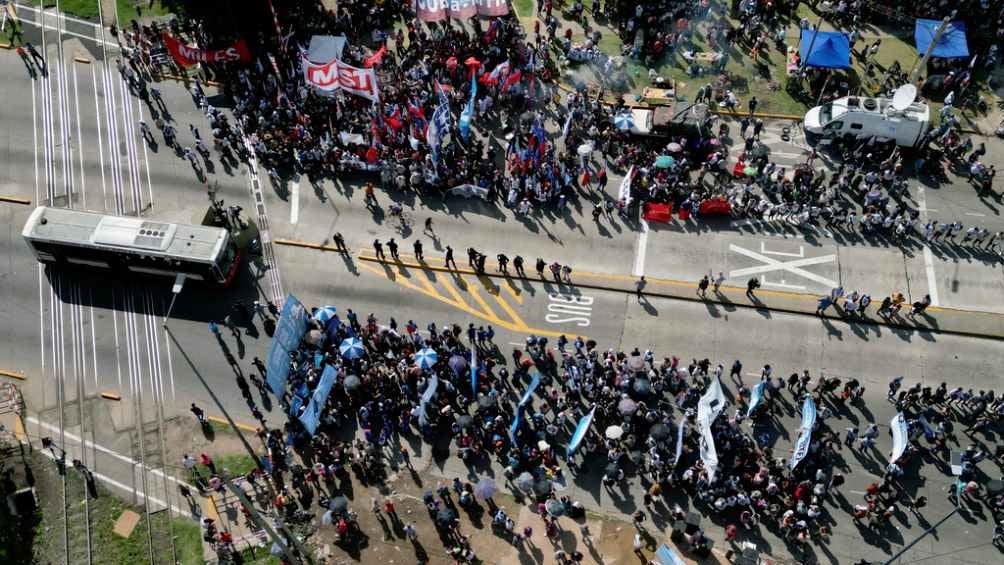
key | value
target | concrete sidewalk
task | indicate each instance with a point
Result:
(936, 319)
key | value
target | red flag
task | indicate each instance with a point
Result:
(393, 121)
(376, 58)
(513, 79)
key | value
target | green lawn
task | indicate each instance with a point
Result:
(770, 91)
(237, 464)
(88, 9)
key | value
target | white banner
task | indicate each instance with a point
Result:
(335, 75)
(624, 193)
(899, 436)
(709, 408)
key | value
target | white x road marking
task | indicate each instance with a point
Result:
(794, 267)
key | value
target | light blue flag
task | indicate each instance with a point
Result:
(311, 417)
(474, 373)
(468, 114)
(289, 329)
(580, 431)
(534, 383)
(756, 396)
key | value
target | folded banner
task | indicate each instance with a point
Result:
(289, 331)
(709, 455)
(430, 391)
(805, 435)
(311, 417)
(899, 436)
(624, 193)
(187, 55)
(438, 10)
(335, 75)
(679, 439)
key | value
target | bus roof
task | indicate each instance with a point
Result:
(137, 235)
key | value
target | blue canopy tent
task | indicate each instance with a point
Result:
(830, 50)
(951, 45)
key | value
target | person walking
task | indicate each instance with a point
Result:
(200, 415)
(392, 245)
(920, 306)
(751, 286)
(39, 60)
(717, 283)
(702, 287)
(340, 243)
(503, 263)
(418, 250)
(541, 264)
(428, 226)
(27, 62)
(378, 248)
(824, 303)
(449, 258)
(753, 103)
(639, 286)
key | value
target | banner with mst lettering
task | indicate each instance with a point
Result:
(438, 10)
(335, 75)
(186, 55)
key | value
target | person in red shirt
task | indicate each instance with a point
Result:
(388, 507)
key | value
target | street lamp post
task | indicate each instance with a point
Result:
(930, 48)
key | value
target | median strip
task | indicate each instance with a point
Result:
(970, 323)
(15, 200)
(13, 374)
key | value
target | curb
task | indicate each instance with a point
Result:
(810, 298)
(13, 374)
(223, 422)
(15, 200)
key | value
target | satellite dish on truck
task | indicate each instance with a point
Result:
(904, 96)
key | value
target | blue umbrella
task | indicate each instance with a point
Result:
(324, 314)
(426, 358)
(624, 121)
(352, 348)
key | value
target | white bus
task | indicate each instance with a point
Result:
(131, 245)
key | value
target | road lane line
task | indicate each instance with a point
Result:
(455, 294)
(639, 256)
(932, 279)
(80, 141)
(476, 295)
(101, 148)
(34, 135)
(146, 156)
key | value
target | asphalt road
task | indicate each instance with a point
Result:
(73, 139)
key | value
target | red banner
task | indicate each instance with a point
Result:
(336, 75)
(187, 56)
(438, 10)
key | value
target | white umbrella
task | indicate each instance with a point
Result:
(543, 445)
(674, 147)
(585, 149)
(614, 432)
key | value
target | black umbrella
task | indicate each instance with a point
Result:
(659, 432)
(338, 504)
(446, 515)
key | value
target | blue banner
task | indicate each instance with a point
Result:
(580, 431)
(756, 396)
(289, 330)
(515, 423)
(311, 417)
(534, 383)
(805, 435)
(474, 373)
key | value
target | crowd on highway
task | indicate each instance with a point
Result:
(549, 414)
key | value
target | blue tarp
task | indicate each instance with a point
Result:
(952, 45)
(666, 556)
(831, 50)
(289, 331)
(311, 417)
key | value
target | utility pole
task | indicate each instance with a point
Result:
(925, 533)
(930, 48)
(261, 522)
(303, 553)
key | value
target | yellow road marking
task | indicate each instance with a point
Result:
(475, 293)
(453, 292)
(223, 422)
(19, 433)
(15, 200)
(13, 374)
(515, 294)
(509, 311)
